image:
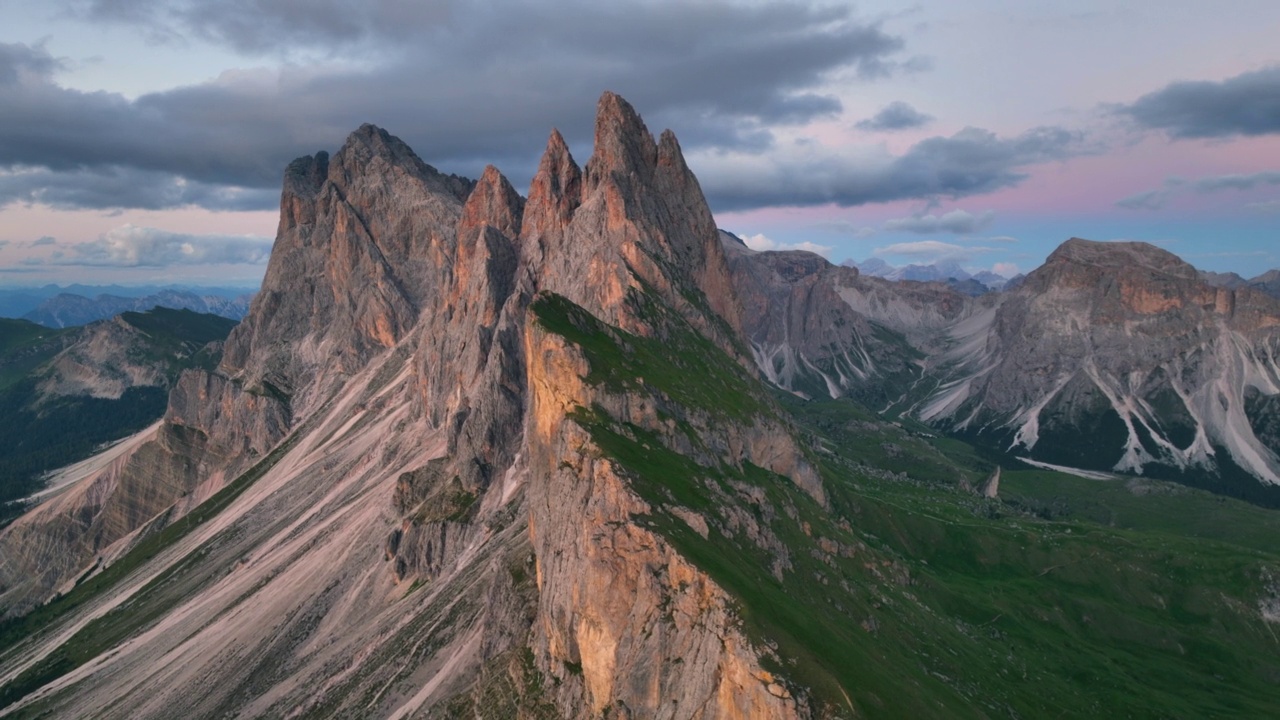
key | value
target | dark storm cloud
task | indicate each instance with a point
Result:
(971, 162)
(20, 62)
(260, 26)
(895, 116)
(1247, 104)
(463, 84)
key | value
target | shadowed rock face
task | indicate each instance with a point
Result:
(804, 334)
(821, 330)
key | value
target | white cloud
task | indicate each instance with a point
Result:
(959, 222)
(133, 246)
(1002, 239)
(1005, 269)
(762, 243)
(922, 248)
(926, 251)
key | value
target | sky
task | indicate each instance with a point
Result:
(144, 141)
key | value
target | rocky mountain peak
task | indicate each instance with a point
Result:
(639, 224)
(493, 202)
(1120, 256)
(556, 190)
(623, 145)
(302, 181)
(371, 151)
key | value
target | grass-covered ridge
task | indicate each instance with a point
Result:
(681, 363)
(24, 346)
(44, 432)
(910, 596)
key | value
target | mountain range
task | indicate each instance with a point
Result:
(579, 454)
(946, 271)
(69, 309)
(1110, 356)
(16, 301)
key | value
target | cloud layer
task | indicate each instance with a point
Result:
(760, 243)
(129, 246)
(1159, 197)
(464, 84)
(970, 162)
(895, 116)
(1247, 104)
(958, 222)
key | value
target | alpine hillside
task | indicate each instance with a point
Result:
(482, 455)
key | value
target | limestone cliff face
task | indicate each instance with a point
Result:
(624, 623)
(634, 222)
(470, 371)
(366, 239)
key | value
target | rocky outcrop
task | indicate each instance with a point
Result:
(366, 239)
(990, 487)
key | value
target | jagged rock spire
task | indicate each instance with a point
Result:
(623, 145)
(556, 190)
(493, 202)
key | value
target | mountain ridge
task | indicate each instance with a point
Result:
(476, 455)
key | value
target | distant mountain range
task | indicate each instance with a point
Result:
(70, 309)
(17, 302)
(946, 271)
(951, 273)
(1268, 282)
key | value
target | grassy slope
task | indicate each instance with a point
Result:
(909, 597)
(24, 346)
